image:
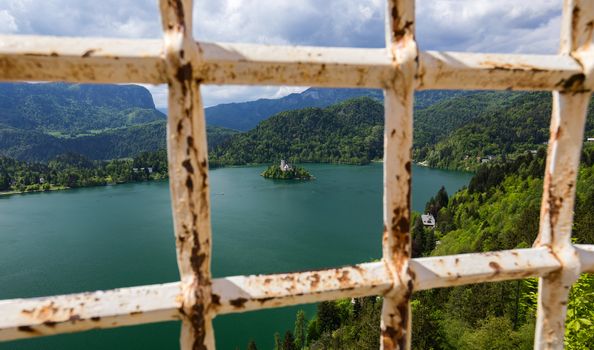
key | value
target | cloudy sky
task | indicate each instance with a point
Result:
(510, 26)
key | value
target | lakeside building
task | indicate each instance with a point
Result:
(428, 220)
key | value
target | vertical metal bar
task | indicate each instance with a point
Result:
(556, 218)
(396, 313)
(188, 175)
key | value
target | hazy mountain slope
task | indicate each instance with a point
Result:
(246, 115)
(71, 108)
(116, 143)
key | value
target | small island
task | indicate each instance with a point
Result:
(286, 171)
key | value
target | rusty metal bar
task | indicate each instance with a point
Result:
(477, 71)
(122, 60)
(40, 58)
(449, 271)
(398, 101)
(563, 159)
(586, 254)
(23, 318)
(294, 65)
(245, 293)
(188, 175)
(26, 318)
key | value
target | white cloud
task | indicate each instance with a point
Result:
(305, 22)
(455, 25)
(7, 22)
(510, 26)
(216, 94)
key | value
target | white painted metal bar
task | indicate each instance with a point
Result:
(42, 58)
(188, 175)
(245, 293)
(586, 254)
(294, 65)
(449, 271)
(123, 60)
(22, 318)
(563, 158)
(25, 318)
(398, 106)
(479, 71)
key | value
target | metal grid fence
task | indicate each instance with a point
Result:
(398, 69)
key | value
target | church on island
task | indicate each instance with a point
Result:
(284, 166)
(286, 171)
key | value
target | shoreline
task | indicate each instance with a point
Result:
(10, 193)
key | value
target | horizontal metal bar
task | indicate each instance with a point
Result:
(25, 318)
(244, 293)
(455, 270)
(586, 254)
(295, 65)
(22, 318)
(90, 60)
(122, 60)
(479, 71)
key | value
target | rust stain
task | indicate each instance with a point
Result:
(74, 318)
(574, 83)
(575, 19)
(495, 266)
(28, 329)
(516, 67)
(315, 280)
(238, 303)
(88, 53)
(344, 277)
(50, 324)
(265, 300)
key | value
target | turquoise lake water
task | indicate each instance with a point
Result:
(119, 236)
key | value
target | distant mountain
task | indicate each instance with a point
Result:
(41, 121)
(74, 108)
(246, 115)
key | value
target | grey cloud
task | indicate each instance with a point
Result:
(455, 25)
(489, 26)
(105, 18)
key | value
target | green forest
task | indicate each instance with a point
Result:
(498, 210)
(73, 170)
(347, 132)
(458, 132)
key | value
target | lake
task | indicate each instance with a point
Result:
(119, 236)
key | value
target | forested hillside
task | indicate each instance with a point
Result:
(348, 132)
(109, 144)
(73, 170)
(491, 125)
(456, 132)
